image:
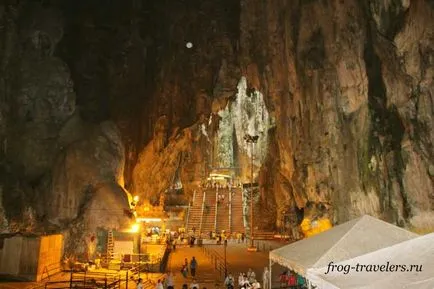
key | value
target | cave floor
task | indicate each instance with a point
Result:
(238, 260)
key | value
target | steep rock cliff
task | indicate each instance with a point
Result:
(345, 82)
(94, 96)
(57, 168)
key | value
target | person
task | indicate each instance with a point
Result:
(184, 271)
(159, 285)
(240, 279)
(266, 278)
(283, 279)
(139, 284)
(194, 284)
(186, 263)
(193, 266)
(292, 281)
(192, 240)
(251, 276)
(256, 285)
(170, 283)
(245, 284)
(229, 282)
(301, 282)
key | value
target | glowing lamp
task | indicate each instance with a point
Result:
(189, 45)
(135, 228)
(136, 199)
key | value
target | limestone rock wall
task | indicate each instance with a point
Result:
(96, 98)
(57, 168)
(346, 82)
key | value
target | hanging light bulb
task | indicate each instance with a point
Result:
(189, 45)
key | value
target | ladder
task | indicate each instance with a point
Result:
(110, 245)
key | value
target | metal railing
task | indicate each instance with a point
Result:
(203, 210)
(93, 280)
(190, 205)
(85, 280)
(50, 270)
(217, 261)
(194, 197)
(230, 209)
(216, 208)
(188, 217)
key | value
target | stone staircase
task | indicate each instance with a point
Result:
(206, 275)
(237, 223)
(223, 212)
(195, 213)
(208, 220)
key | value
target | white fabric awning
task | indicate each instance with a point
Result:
(354, 238)
(425, 284)
(418, 252)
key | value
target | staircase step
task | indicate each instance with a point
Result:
(208, 221)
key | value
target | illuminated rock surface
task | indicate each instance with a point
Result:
(97, 98)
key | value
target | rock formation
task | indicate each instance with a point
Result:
(97, 99)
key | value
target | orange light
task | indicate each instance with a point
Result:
(147, 220)
(135, 228)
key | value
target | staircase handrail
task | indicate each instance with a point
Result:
(217, 260)
(203, 210)
(230, 209)
(216, 208)
(188, 214)
(194, 198)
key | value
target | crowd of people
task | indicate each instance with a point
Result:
(247, 280)
(175, 239)
(193, 267)
(228, 184)
(291, 280)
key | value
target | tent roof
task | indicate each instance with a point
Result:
(425, 284)
(418, 251)
(348, 240)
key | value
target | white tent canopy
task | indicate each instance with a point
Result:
(418, 252)
(354, 238)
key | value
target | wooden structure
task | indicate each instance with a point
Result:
(30, 256)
